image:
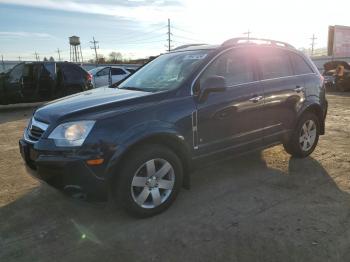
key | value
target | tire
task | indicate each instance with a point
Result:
(305, 137)
(149, 181)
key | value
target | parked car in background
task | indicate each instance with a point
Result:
(42, 81)
(140, 141)
(337, 75)
(101, 74)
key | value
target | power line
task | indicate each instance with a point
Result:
(94, 42)
(187, 38)
(140, 40)
(136, 36)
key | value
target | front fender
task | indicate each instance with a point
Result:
(150, 131)
(316, 108)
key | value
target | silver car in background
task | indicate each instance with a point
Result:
(100, 75)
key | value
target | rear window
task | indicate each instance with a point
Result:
(300, 65)
(72, 73)
(274, 64)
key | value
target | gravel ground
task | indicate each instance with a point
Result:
(263, 206)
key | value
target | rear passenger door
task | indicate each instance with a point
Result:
(283, 92)
(232, 118)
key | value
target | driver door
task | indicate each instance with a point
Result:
(232, 118)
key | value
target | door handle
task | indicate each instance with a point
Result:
(299, 89)
(256, 99)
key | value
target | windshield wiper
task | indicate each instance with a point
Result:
(133, 88)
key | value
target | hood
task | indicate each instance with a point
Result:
(333, 65)
(90, 100)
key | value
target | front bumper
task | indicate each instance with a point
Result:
(62, 171)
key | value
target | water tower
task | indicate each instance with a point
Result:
(75, 49)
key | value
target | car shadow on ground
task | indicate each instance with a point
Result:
(238, 210)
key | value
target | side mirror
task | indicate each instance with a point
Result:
(212, 84)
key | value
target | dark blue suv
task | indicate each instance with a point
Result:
(140, 141)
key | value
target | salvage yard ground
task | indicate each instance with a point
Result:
(264, 206)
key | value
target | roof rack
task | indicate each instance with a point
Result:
(185, 46)
(245, 40)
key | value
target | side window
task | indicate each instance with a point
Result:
(117, 71)
(300, 66)
(234, 65)
(274, 64)
(16, 73)
(103, 72)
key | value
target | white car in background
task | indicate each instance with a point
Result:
(100, 75)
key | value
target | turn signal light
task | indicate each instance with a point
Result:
(95, 162)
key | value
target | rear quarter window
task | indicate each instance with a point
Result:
(300, 65)
(72, 73)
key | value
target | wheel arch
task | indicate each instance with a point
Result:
(172, 141)
(317, 110)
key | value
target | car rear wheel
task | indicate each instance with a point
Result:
(149, 181)
(305, 137)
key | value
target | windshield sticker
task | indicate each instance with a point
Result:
(195, 57)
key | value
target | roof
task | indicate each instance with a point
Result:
(236, 41)
(191, 47)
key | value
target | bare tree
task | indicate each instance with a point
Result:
(115, 57)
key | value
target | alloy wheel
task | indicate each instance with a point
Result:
(153, 183)
(308, 135)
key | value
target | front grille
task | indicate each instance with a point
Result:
(35, 130)
(35, 133)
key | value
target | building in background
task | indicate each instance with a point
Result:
(339, 41)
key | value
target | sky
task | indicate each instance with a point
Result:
(138, 28)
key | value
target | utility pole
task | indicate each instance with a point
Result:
(59, 54)
(248, 34)
(169, 36)
(3, 63)
(36, 56)
(94, 42)
(313, 38)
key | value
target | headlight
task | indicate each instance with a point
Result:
(71, 133)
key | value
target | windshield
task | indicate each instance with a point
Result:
(95, 70)
(165, 72)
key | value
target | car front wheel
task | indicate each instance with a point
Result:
(149, 181)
